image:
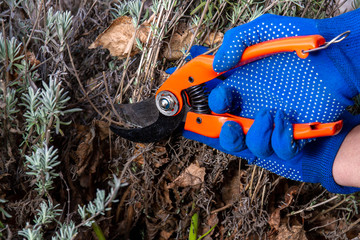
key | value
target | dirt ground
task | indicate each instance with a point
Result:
(164, 184)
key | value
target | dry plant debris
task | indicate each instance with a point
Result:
(192, 176)
(162, 184)
(296, 232)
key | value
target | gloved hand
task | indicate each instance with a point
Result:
(313, 164)
(284, 89)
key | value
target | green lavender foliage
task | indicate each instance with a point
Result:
(66, 232)
(57, 30)
(9, 104)
(10, 50)
(99, 205)
(131, 7)
(46, 106)
(33, 233)
(46, 214)
(119, 10)
(2, 210)
(63, 25)
(41, 164)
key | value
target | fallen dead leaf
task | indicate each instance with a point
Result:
(86, 157)
(30, 56)
(138, 149)
(166, 195)
(161, 161)
(274, 220)
(163, 76)
(117, 38)
(214, 38)
(84, 150)
(232, 189)
(289, 196)
(180, 41)
(177, 43)
(295, 233)
(102, 128)
(330, 223)
(192, 176)
(164, 235)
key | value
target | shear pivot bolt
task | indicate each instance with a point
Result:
(167, 103)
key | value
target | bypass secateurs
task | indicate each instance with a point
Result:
(182, 97)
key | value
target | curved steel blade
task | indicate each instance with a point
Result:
(162, 128)
(139, 114)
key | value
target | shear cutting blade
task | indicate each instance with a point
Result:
(152, 126)
(141, 114)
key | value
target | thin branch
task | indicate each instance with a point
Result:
(314, 206)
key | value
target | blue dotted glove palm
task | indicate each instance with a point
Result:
(284, 89)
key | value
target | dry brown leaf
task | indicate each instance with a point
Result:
(160, 156)
(160, 162)
(138, 149)
(295, 233)
(163, 76)
(102, 128)
(164, 235)
(157, 154)
(289, 196)
(330, 223)
(182, 41)
(214, 38)
(30, 56)
(177, 43)
(233, 188)
(84, 150)
(192, 176)
(274, 220)
(86, 157)
(117, 38)
(166, 194)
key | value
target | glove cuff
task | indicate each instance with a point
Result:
(346, 54)
(319, 158)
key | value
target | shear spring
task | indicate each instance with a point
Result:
(198, 99)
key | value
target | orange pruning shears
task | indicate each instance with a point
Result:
(181, 98)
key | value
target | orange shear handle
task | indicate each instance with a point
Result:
(209, 125)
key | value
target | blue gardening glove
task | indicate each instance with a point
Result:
(283, 89)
